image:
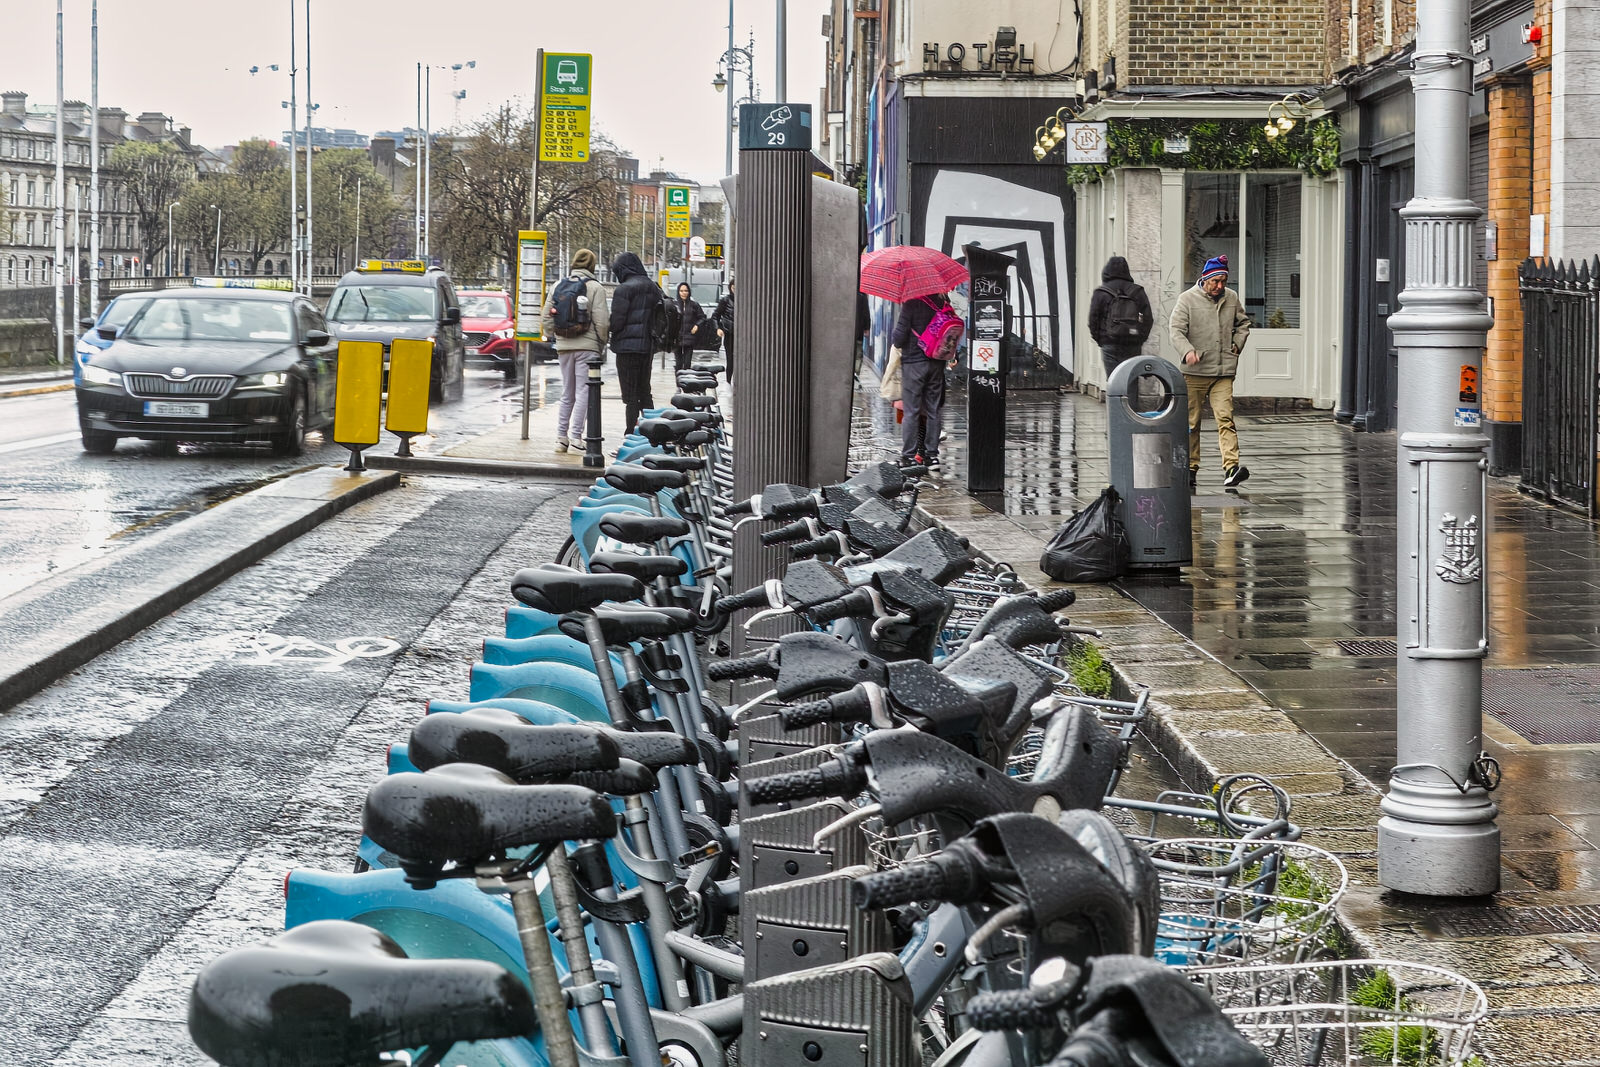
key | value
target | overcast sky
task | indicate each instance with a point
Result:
(653, 62)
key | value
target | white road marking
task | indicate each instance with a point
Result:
(39, 442)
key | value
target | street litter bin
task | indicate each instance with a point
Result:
(1147, 414)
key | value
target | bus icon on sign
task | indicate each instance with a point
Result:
(567, 72)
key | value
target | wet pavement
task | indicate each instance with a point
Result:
(1243, 650)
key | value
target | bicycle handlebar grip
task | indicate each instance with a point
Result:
(1055, 601)
(857, 603)
(750, 598)
(1009, 1009)
(902, 885)
(803, 549)
(853, 705)
(751, 666)
(743, 507)
(797, 785)
(792, 532)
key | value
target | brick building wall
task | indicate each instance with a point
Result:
(1252, 42)
(1381, 27)
(1511, 173)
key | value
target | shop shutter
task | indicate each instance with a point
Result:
(1478, 189)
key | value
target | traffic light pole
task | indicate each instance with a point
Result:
(1437, 835)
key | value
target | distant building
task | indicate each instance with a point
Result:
(326, 138)
(28, 191)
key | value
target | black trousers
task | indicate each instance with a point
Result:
(633, 376)
(727, 356)
(685, 356)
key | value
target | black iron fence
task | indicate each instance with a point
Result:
(1560, 379)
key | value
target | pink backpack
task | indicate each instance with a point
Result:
(941, 336)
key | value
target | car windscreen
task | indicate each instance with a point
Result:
(172, 319)
(485, 307)
(383, 303)
(120, 310)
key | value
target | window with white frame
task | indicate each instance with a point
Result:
(1254, 220)
(33, 191)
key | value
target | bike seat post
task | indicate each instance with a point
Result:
(548, 999)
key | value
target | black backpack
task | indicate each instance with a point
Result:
(1126, 323)
(571, 313)
(665, 321)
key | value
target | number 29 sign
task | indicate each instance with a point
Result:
(775, 126)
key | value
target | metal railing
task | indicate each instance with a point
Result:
(1560, 379)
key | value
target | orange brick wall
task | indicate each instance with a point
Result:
(1541, 148)
(1510, 187)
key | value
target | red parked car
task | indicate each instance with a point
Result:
(489, 330)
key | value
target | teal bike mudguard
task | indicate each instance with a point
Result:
(586, 525)
(601, 494)
(530, 622)
(535, 711)
(573, 689)
(550, 648)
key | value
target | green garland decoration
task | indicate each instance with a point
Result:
(1224, 144)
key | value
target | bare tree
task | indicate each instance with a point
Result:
(482, 179)
(155, 174)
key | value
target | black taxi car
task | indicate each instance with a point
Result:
(232, 359)
(388, 299)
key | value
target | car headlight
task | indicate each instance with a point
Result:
(100, 376)
(504, 335)
(269, 380)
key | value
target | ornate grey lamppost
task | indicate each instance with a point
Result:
(1437, 834)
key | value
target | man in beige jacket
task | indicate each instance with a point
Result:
(1209, 327)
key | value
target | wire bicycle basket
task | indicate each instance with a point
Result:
(1239, 901)
(1358, 1013)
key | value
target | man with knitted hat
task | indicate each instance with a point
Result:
(1209, 327)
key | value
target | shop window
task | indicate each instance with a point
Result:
(1211, 220)
(1254, 220)
(1271, 287)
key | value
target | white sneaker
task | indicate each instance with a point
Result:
(561, 444)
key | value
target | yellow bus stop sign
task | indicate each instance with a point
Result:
(410, 366)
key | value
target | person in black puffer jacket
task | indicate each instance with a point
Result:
(690, 316)
(1116, 280)
(723, 316)
(633, 308)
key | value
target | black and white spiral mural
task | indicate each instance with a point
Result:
(1012, 210)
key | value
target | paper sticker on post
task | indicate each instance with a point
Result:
(986, 357)
(1469, 417)
(1469, 384)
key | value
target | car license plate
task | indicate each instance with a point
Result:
(174, 409)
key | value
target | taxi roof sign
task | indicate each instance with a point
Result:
(280, 284)
(393, 266)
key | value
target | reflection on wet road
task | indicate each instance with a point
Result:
(60, 507)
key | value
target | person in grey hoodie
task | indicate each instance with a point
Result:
(576, 353)
(1209, 327)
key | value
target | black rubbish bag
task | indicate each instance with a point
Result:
(1092, 546)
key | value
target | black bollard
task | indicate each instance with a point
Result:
(593, 442)
(988, 318)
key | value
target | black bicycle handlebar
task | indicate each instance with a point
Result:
(853, 705)
(851, 604)
(792, 532)
(751, 666)
(750, 598)
(804, 549)
(1012, 1009)
(922, 880)
(833, 778)
(1055, 601)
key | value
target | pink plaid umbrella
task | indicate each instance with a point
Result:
(905, 272)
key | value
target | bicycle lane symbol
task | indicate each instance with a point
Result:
(267, 649)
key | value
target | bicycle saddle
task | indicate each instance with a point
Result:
(702, 419)
(662, 431)
(505, 741)
(634, 479)
(644, 568)
(695, 439)
(663, 462)
(332, 993)
(462, 813)
(623, 624)
(635, 528)
(558, 590)
(628, 778)
(692, 401)
(712, 368)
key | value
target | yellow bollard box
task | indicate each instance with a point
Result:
(410, 366)
(360, 393)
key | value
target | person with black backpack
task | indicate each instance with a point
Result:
(640, 324)
(578, 319)
(1120, 320)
